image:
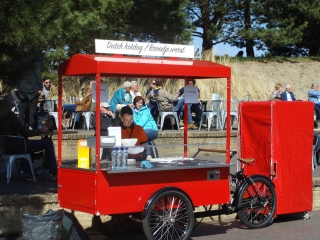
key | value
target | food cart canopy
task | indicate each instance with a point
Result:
(123, 66)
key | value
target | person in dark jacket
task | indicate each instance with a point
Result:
(10, 125)
(28, 90)
(107, 119)
(288, 95)
(152, 104)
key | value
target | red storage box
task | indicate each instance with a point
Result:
(279, 135)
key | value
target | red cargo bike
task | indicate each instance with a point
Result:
(165, 196)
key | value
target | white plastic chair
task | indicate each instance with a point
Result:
(11, 158)
(233, 113)
(87, 116)
(162, 115)
(50, 108)
(215, 112)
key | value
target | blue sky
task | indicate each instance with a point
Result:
(221, 49)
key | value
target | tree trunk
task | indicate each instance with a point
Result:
(249, 48)
(247, 26)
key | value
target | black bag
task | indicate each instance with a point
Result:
(46, 226)
(71, 228)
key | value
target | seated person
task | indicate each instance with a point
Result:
(107, 119)
(288, 95)
(121, 98)
(194, 107)
(166, 101)
(134, 89)
(131, 130)
(142, 117)
(49, 91)
(10, 125)
(276, 94)
(314, 96)
(78, 106)
(152, 104)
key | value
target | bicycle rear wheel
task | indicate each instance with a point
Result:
(257, 203)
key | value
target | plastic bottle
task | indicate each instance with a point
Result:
(114, 158)
(119, 158)
(124, 158)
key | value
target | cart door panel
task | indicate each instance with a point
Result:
(77, 189)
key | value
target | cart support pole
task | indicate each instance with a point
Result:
(185, 123)
(60, 110)
(228, 119)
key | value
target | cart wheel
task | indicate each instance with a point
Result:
(115, 225)
(257, 203)
(169, 216)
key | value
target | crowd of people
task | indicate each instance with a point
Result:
(136, 115)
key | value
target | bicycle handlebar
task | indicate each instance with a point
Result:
(232, 153)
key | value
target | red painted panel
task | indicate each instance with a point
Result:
(76, 188)
(86, 64)
(129, 192)
(279, 136)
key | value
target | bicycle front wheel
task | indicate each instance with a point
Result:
(257, 203)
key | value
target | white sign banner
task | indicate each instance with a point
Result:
(143, 48)
(191, 94)
(104, 94)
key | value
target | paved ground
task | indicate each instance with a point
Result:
(285, 227)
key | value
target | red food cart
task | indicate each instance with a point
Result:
(164, 198)
(279, 134)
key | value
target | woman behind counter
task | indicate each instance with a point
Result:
(142, 117)
(131, 130)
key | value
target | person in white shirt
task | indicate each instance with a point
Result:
(288, 95)
(134, 90)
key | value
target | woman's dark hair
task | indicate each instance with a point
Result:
(126, 110)
(137, 99)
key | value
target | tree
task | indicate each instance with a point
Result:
(240, 27)
(282, 24)
(66, 27)
(209, 15)
(27, 28)
(159, 21)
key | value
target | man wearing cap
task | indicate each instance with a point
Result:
(107, 119)
(121, 98)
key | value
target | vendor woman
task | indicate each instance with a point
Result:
(131, 130)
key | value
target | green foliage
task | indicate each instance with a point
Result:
(210, 16)
(159, 21)
(27, 28)
(66, 27)
(288, 25)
